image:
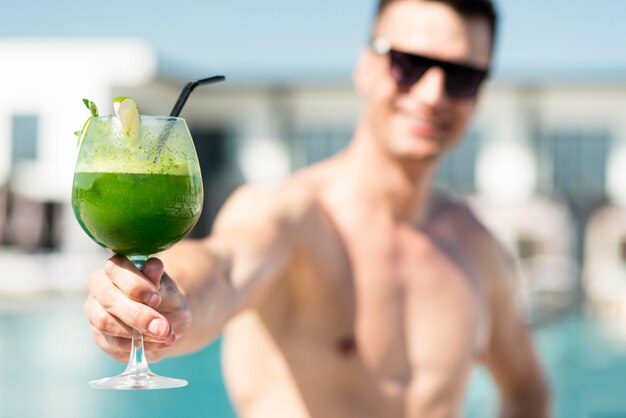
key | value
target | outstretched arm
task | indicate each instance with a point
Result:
(207, 281)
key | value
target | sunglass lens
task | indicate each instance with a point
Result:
(406, 70)
(463, 82)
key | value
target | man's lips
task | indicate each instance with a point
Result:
(421, 125)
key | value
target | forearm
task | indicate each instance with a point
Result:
(203, 277)
(535, 403)
(233, 269)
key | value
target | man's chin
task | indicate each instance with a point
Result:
(425, 152)
(418, 160)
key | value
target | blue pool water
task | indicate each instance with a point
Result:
(46, 358)
(584, 359)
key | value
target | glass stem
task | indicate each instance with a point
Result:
(137, 363)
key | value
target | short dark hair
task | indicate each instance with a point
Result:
(483, 9)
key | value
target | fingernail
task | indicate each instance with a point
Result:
(157, 327)
(151, 300)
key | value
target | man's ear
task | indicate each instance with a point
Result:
(363, 72)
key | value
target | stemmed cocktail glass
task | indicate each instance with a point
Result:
(136, 195)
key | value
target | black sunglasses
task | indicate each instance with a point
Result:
(462, 81)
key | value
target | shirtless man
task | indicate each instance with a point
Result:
(350, 290)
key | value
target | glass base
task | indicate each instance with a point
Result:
(137, 381)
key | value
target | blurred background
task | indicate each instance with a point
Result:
(543, 166)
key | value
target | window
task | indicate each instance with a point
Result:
(24, 138)
(578, 162)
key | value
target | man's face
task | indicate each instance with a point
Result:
(422, 121)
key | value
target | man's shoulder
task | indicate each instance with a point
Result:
(471, 234)
(457, 212)
(287, 201)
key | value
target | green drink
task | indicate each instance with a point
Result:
(137, 195)
(137, 190)
(136, 214)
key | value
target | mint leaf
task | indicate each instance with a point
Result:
(93, 109)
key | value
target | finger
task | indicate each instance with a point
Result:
(124, 345)
(135, 315)
(120, 350)
(103, 321)
(102, 342)
(110, 326)
(153, 270)
(133, 283)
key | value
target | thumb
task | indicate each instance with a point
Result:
(153, 270)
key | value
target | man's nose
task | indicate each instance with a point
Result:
(430, 88)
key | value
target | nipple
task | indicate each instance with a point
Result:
(346, 346)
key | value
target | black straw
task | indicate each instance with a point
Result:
(184, 95)
(182, 99)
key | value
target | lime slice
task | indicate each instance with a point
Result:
(127, 111)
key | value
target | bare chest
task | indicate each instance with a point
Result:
(421, 308)
(365, 315)
(405, 303)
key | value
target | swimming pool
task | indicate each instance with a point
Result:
(46, 358)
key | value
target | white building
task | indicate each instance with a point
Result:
(42, 84)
